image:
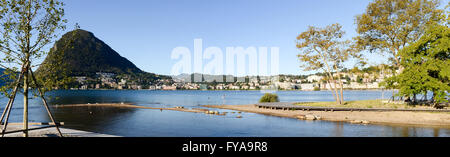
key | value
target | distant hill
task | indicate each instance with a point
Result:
(87, 55)
(2, 77)
(5, 76)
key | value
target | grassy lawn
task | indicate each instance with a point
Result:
(363, 104)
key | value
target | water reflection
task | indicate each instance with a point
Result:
(156, 123)
(436, 132)
(91, 118)
(339, 129)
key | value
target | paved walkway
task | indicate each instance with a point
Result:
(51, 132)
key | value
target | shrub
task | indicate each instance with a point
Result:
(269, 98)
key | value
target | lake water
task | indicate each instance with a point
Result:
(156, 123)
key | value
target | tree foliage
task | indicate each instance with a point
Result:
(427, 65)
(269, 98)
(27, 27)
(390, 25)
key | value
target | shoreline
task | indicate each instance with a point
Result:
(410, 118)
(423, 119)
(349, 89)
(129, 105)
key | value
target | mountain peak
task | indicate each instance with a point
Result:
(82, 32)
(86, 55)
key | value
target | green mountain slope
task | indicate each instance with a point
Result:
(85, 54)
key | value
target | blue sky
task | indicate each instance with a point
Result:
(146, 31)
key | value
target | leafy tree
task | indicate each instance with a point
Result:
(323, 49)
(359, 79)
(27, 27)
(426, 63)
(269, 98)
(390, 25)
(387, 26)
(348, 79)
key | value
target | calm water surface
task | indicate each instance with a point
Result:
(155, 123)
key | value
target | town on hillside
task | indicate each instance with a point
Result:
(356, 79)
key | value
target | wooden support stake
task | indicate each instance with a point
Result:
(39, 123)
(5, 110)
(8, 107)
(44, 127)
(44, 101)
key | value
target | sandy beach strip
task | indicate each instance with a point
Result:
(372, 117)
(127, 105)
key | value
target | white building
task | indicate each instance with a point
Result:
(81, 79)
(284, 85)
(308, 87)
(314, 78)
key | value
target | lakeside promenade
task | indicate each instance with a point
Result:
(51, 132)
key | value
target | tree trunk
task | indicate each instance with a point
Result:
(331, 79)
(337, 94)
(330, 75)
(340, 84)
(393, 94)
(25, 102)
(342, 93)
(334, 90)
(433, 98)
(328, 82)
(426, 95)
